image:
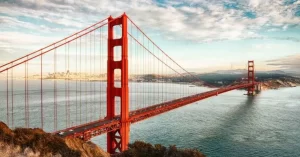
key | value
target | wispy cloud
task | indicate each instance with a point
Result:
(192, 20)
(288, 63)
(199, 20)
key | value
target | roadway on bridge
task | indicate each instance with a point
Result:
(105, 125)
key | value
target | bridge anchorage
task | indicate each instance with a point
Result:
(67, 90)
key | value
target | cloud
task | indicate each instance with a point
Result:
(264, 46)
(197, 20)
(193, 20)
(289, 63)
(273, 30)
(18, 44)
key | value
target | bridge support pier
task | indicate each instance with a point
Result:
(251, 78)
(118, 140)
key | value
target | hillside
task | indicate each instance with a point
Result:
(268, 80)
(35, 142)
(142, 149)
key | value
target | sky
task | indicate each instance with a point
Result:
(201, 35)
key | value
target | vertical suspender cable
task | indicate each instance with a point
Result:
(42, 116)
(100, 44)
(55, 94)
(25, 105)
(80, 73)
(68, 99)
(148, 89)
(137, 59)
(86, 79)
(12, 97)
(101, 58)
(94, 77)
(28, 113)
(153, 71)
(90, 83)
(25, 96)
(7, 97)
(143, 73)
(76, 77)
(65, 78)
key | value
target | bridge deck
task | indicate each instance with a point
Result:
(89, 130)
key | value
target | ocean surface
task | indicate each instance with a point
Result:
(228, 125)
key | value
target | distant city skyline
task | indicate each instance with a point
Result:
(201, 35)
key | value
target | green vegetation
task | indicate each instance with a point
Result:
(142, 149)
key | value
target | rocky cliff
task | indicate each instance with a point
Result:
(279, 83)
(36, 142)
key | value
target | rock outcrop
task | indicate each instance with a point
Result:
(36, 142)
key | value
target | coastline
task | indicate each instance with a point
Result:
(266, 84)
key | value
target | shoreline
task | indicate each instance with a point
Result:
(265, 85)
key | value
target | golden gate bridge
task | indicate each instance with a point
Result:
(97, 81)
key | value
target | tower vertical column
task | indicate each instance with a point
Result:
(251, 77)
(118, 140)
(125, 124)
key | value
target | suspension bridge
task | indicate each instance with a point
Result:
(100, 80)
